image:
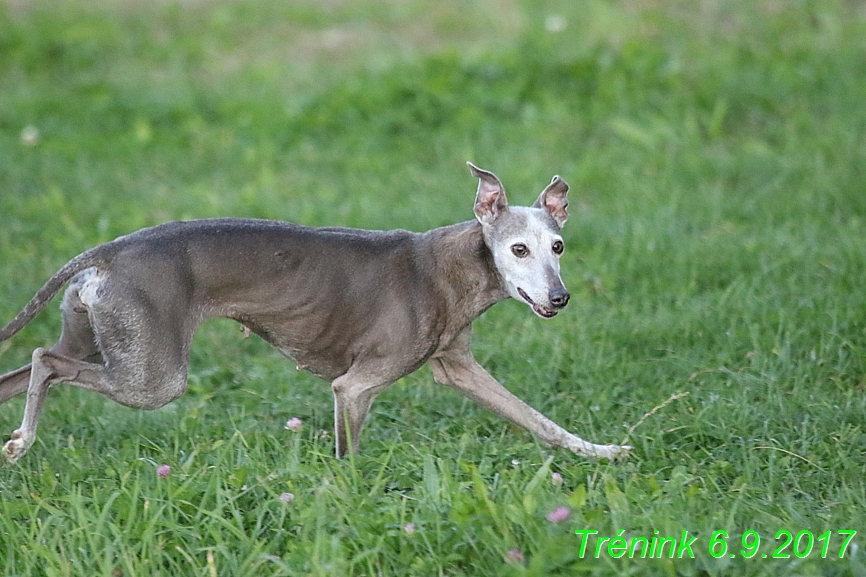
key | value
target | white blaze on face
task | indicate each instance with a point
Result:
(526, 247)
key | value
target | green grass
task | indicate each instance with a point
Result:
(717, 247)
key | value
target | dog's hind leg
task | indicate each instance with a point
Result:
(125, 347)
(119, 379)
(76, 341)
(46, 369)
(14, 383)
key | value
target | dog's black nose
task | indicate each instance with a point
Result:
(559, 297)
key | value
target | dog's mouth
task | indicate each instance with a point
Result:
(541, 311)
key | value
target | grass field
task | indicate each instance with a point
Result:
(716, 249)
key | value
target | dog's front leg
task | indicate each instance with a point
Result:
(460, 370)
(354, 394)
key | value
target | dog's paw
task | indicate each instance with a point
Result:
(14, 448)
(593, 451)
(615, 452)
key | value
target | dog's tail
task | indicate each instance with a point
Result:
(93, 257)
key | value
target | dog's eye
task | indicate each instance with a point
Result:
(557, 247)
(519, 250)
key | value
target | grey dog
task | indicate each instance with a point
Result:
(357, 308)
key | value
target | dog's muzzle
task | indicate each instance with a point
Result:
(558, 298)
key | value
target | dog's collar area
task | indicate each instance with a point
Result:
(539, 310)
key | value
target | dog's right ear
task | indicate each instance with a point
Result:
(490, 201)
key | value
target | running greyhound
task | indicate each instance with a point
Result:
(357, 308)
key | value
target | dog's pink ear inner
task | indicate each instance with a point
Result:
(490, 200)
(554, 199)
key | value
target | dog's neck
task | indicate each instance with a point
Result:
(465, 270)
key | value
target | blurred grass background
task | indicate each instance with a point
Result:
(717, 156)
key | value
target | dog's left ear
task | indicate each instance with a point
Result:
(554, 200)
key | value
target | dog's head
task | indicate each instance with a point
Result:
(525, 241)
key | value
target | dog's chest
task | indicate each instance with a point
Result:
(324, 368)
(329, 347)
